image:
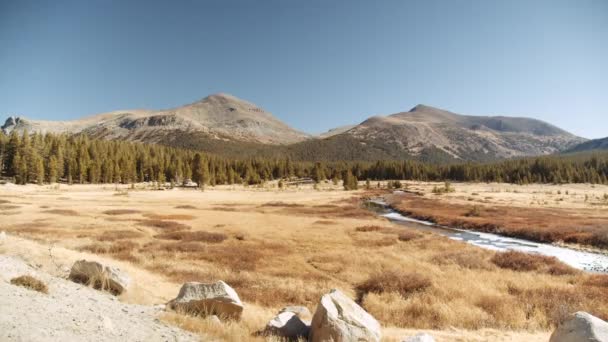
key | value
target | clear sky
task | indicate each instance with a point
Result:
(315, 64)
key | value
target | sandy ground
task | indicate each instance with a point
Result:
(72, 312)
(54, 223)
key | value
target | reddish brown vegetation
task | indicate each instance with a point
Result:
(582, 226)
(408, 235)
(185, 207)
(525, 262)
(193, 236)
(64, 212)
(170, 217)
(121, 212)
(404, 283)
(164, 225)
(369, 229)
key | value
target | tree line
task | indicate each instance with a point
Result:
(48, 158)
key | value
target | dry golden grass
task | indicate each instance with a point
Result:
(115, 212)
(120, 234)
(31, 283)
(306, 243)
(198, 235)
(64, 212)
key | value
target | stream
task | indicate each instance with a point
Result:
(588, 261)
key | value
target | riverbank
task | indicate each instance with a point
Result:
(562, 216)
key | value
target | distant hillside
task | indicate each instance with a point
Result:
(595, 144)
(220, 116)
(225, 125)
(426, 130)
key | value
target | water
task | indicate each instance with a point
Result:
(588, 261)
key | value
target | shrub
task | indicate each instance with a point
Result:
(524, 262)
(474, 212)
(185, 207)
(121, 212)
(408, 236)
(193, 236)
(31, 283)
(404, 283)
(164, 225)
(64, 212)
(369, 229)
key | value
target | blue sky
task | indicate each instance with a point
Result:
(314, 64)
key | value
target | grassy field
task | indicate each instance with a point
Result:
(280, 247)
(573, 213)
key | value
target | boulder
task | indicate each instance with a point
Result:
(203, 299)
(300, 311)
(94, 274)
(287, 325)
(581, 327)
(339, 319)
(117, 281)
(422, 337)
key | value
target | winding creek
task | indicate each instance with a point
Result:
(588, 261)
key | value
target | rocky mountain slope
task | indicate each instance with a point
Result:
(595, 144)
(224, 124)
(219, 117)
(426, 129)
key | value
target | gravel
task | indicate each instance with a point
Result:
(73, 312)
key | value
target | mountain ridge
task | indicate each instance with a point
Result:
(424, 132)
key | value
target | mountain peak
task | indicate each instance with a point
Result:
(421, 108)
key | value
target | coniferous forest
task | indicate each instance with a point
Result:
(48, 158)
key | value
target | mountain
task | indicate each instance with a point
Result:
(217, 117)
(426, 132)
(595, 144)
(224, 124)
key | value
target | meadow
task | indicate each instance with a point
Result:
(289, 246)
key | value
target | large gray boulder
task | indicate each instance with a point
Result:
(203, 299)
(581, 327)
(338, 318)
(422, 337)
(288, 325)
(94, 274)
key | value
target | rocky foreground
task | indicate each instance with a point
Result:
(73, 312)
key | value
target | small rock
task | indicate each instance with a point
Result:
(287, 325)
(300, 311)
(118, 281)
(94, 274)
(422, 337)
(340, 319)
(208, 299)
(581, 327)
